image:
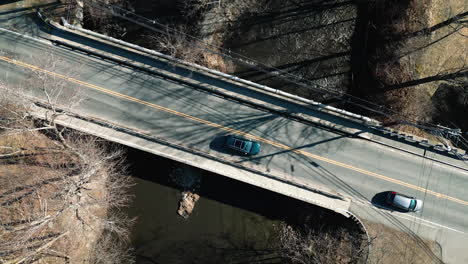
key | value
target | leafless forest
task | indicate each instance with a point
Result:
(60, 190)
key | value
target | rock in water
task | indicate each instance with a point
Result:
(187, 203)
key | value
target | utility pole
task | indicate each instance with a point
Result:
(449, 133)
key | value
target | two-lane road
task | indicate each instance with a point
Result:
(193, 117)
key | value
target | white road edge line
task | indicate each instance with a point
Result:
(27, 36)
(408, 217)
(432, 223)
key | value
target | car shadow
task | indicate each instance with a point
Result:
(6, 2)
(379, 201)
(218, 144)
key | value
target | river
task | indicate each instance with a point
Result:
(232, 222)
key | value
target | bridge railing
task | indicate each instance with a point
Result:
(366, 121)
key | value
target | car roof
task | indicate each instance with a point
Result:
(240, 143)
(402, 200)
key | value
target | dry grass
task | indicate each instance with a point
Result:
(310, 45)
(29, 185)
(425, 50)
(216, 62)
(300, 245)
(27, 177)
(445, 49)
(391, 246)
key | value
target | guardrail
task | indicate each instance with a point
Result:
(368, 243)
(139, 134)
(371, 123)
(224, 75)
(423, 142)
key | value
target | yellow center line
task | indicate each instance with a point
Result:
(231, 130)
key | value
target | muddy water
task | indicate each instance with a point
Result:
(214, 232)
(231, 223)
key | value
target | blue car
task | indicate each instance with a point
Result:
(242, 145)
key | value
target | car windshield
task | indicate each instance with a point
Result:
(412, 204)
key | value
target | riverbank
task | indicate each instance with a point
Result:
(57, 206)
(417, 61)
(232, 222)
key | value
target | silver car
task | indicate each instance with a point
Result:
(404, 202)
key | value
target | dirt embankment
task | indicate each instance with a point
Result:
(291, 42)
(408, 56)
(418, 64)
(288, 42)
(395, 246)
(54, 208)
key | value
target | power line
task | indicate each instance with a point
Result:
(269, 70)
(227, 53)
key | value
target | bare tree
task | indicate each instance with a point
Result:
(307, 245)
(193, 8)
(179, 44)
(58, 188)
(84, 13)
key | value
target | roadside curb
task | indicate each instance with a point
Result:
(368, 244)
(264, 88)
(398, 136)
(328, 195)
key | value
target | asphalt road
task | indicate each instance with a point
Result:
(196, 118)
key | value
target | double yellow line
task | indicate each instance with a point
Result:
(231, 130)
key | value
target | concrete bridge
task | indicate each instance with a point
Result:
(311, 152)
